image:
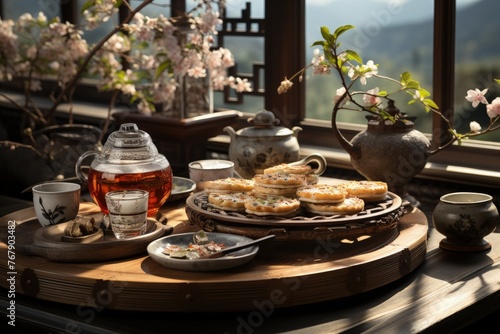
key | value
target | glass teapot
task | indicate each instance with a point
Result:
(128, 160)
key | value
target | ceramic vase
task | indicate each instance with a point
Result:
(390, 152)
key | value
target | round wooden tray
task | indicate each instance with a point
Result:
(282, 274)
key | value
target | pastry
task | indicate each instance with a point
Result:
(369, 191)
(321, 193)
(228, 185)
(228, 201)
(278, 184)
(306, 170)
(288, 169)
(349, 206)
(271, 205)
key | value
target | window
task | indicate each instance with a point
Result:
(381, 34)
(426, 51)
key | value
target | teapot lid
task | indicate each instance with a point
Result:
(403, 122)
(264, 125)
(129, 136)
(129, 143)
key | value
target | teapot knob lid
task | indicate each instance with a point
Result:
(129, 127)
(264, 119)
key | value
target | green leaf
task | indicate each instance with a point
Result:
(163, 66)
(354, 56)
(319, 43)
(342, 29)
(431, 103)
(412, 84)
(405, 77)
(330, 58)
(497, 81)
(87, 5)
(325, 33)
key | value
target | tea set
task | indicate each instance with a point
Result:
(130, 181)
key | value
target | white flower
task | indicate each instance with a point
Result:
(417, 96)
(338, 95)
(363, 71)
(474, 126)
(476, 96)
(285, 86)
(54, 65)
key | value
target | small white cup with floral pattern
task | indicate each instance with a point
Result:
(56, 202)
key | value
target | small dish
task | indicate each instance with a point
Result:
(47, 242)
(181, 188)
(156, 248)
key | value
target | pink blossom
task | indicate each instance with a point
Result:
(371, 98)
(320, 67)
(197, 72)
(493, 109)
(240, 85)
(476, 96)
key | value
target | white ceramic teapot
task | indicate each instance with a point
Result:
(262, 145)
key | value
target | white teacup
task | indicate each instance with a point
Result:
(208, 170)
(56, 202)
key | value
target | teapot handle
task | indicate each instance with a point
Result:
(78, 166)
(315, 157)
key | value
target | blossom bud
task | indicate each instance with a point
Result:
(474, 126)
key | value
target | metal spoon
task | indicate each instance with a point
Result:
(228, 250)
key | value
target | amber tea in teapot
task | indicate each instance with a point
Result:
(129, 160)
(158, 183)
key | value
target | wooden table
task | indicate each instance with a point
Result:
(447, 291)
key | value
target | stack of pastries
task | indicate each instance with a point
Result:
(282, 190)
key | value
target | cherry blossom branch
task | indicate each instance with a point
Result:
(91, 54)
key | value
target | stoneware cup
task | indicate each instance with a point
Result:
(56, 202)
(208, 170)
(128, 211)
(465, 218)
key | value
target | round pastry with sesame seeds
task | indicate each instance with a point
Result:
(321, 193)
(228, 201)
(229, 185)
(271, 206)
(349, 206)
(288, 169)
(369, 191)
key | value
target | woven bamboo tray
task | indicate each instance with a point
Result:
(303, 226)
